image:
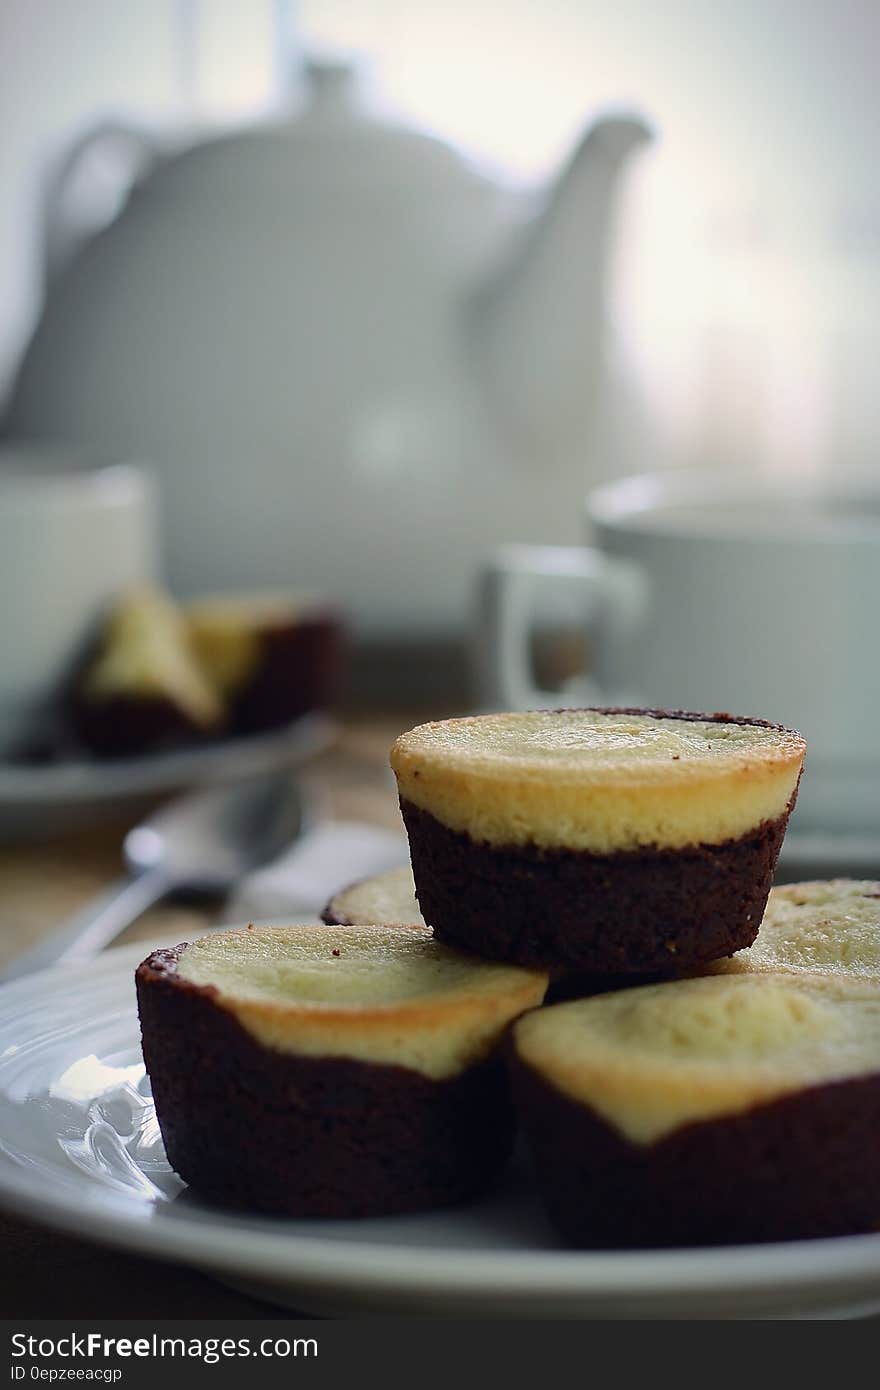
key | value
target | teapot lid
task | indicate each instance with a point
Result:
(335, 131)
(334, 86)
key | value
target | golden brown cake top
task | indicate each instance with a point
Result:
(384, 899)
(653, 1059)
(378, 994)
(829, 926)
(599, 780)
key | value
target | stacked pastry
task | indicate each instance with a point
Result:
(610, 841)
(361, 1062)
(331, 1071)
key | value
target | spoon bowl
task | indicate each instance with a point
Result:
(207, 840)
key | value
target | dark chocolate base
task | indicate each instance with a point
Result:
(310, 1136)
(299, 670)
(125, 726)
(629, 913)
(806, 1165)
(564, 984)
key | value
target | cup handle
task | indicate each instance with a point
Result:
(609, 592)
(131, 152)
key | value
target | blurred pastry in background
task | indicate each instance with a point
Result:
(141, 686)
(160, 674)
(269, 657)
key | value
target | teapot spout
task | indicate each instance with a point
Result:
(539, 324)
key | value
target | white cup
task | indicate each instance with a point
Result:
(712, 591)
(73, 536)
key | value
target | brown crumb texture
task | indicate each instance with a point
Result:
(626, 913)
(126, 725)
(300, 670)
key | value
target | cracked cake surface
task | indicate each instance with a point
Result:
(826, 926)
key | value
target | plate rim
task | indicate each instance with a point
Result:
(97, 779)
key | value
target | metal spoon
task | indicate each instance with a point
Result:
(204, 841)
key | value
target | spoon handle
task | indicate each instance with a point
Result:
(97, 924)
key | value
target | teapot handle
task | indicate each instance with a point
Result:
(607, 591)
(123, 156)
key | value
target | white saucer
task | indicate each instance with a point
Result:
(80, 1151)
(46, 797)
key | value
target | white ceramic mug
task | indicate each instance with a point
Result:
(714, 591)
(73, 535)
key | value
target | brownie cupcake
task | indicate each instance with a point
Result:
(615, 842)
(330, 1071)
(717, 1110)
(384, 900)
(829, 926)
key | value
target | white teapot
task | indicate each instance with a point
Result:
(356, 362)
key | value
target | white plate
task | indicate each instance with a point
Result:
(41, 798)
(80, 1150)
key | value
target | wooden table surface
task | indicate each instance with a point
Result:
(47, 1275)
